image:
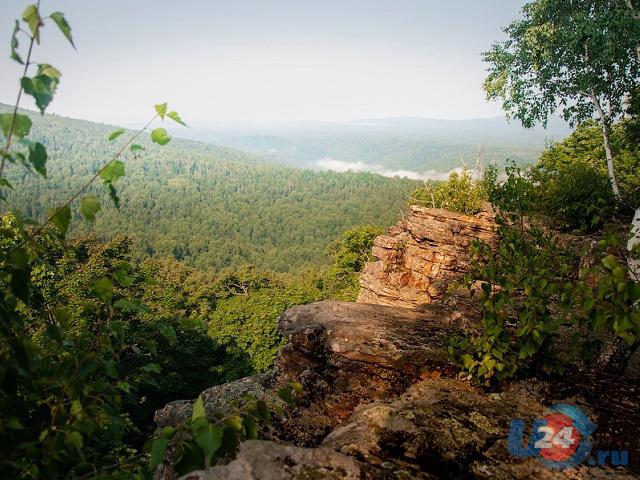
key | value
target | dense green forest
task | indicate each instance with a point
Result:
(209, 206)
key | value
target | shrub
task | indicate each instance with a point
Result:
(532, 285)
(577, 195)
(584, 147)
(460, 193)
(350, 254)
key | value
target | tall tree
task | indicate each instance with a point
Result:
(578, 57)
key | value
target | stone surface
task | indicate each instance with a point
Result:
(345, 354)
(438, 428)
(379, 403)
(216, 399)
(420, 256)
(445, 428)
(263, 460)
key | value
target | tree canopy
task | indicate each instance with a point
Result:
(575, 57)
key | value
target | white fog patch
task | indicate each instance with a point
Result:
(332, 164)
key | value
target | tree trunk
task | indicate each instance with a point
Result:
(606, 137)
(634, 240)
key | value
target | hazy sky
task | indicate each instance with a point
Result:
(266, 60)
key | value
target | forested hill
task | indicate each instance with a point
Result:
(210, 206)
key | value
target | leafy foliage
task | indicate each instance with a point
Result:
(208, 206)
(579, 57)
(460, 193)
(534, 285)
(560, 55)
(583, 149)
(350, 254)
(71, 358)
(205, 438)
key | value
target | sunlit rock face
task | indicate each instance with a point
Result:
(418, 257)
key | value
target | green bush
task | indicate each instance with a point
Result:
(532, 286)
(460, 193)
(577, 195)
(350, 254)
(584, 147)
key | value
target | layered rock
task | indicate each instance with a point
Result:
(381, 402)
(419, 256)
(439, 428)
(344, 354)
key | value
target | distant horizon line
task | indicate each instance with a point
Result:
(359, 121)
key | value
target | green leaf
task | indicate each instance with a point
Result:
(158, 449)
(136, 148)
(110, 369)
(150, 345)
(41, 88)
(63, 25)
(209, 440)
(129, 306)
(124, 386)
(191, 458)
(123, 278)
(235, 422)
(14, 424)
(161, 109)
(263, 412)
(115, 134)
(168, 332)
(198, 409)
(75, 439)
(285, 394)
(32, 18)
(117, 327)
(21, 126)
(61, 219)
(160, 136)
(151, 368)
(113, 194)
(14, 44)
(89, 206)
(103, 288)
(610, 262)
(176, 118)
(113, 171)
(251, 431)
(47, 70)
(38, 158)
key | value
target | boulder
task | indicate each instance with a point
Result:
(264, 460)
(421, 255)
(216, 399)
(346, 354)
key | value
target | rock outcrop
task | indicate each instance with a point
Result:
(381, 402)
(420, 256)
(380, 399)
(345, 354)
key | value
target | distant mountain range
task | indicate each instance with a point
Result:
(409, 146)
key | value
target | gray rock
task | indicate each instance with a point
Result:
(262, 460)
(217, 399)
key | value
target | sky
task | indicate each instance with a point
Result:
(266, 60)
